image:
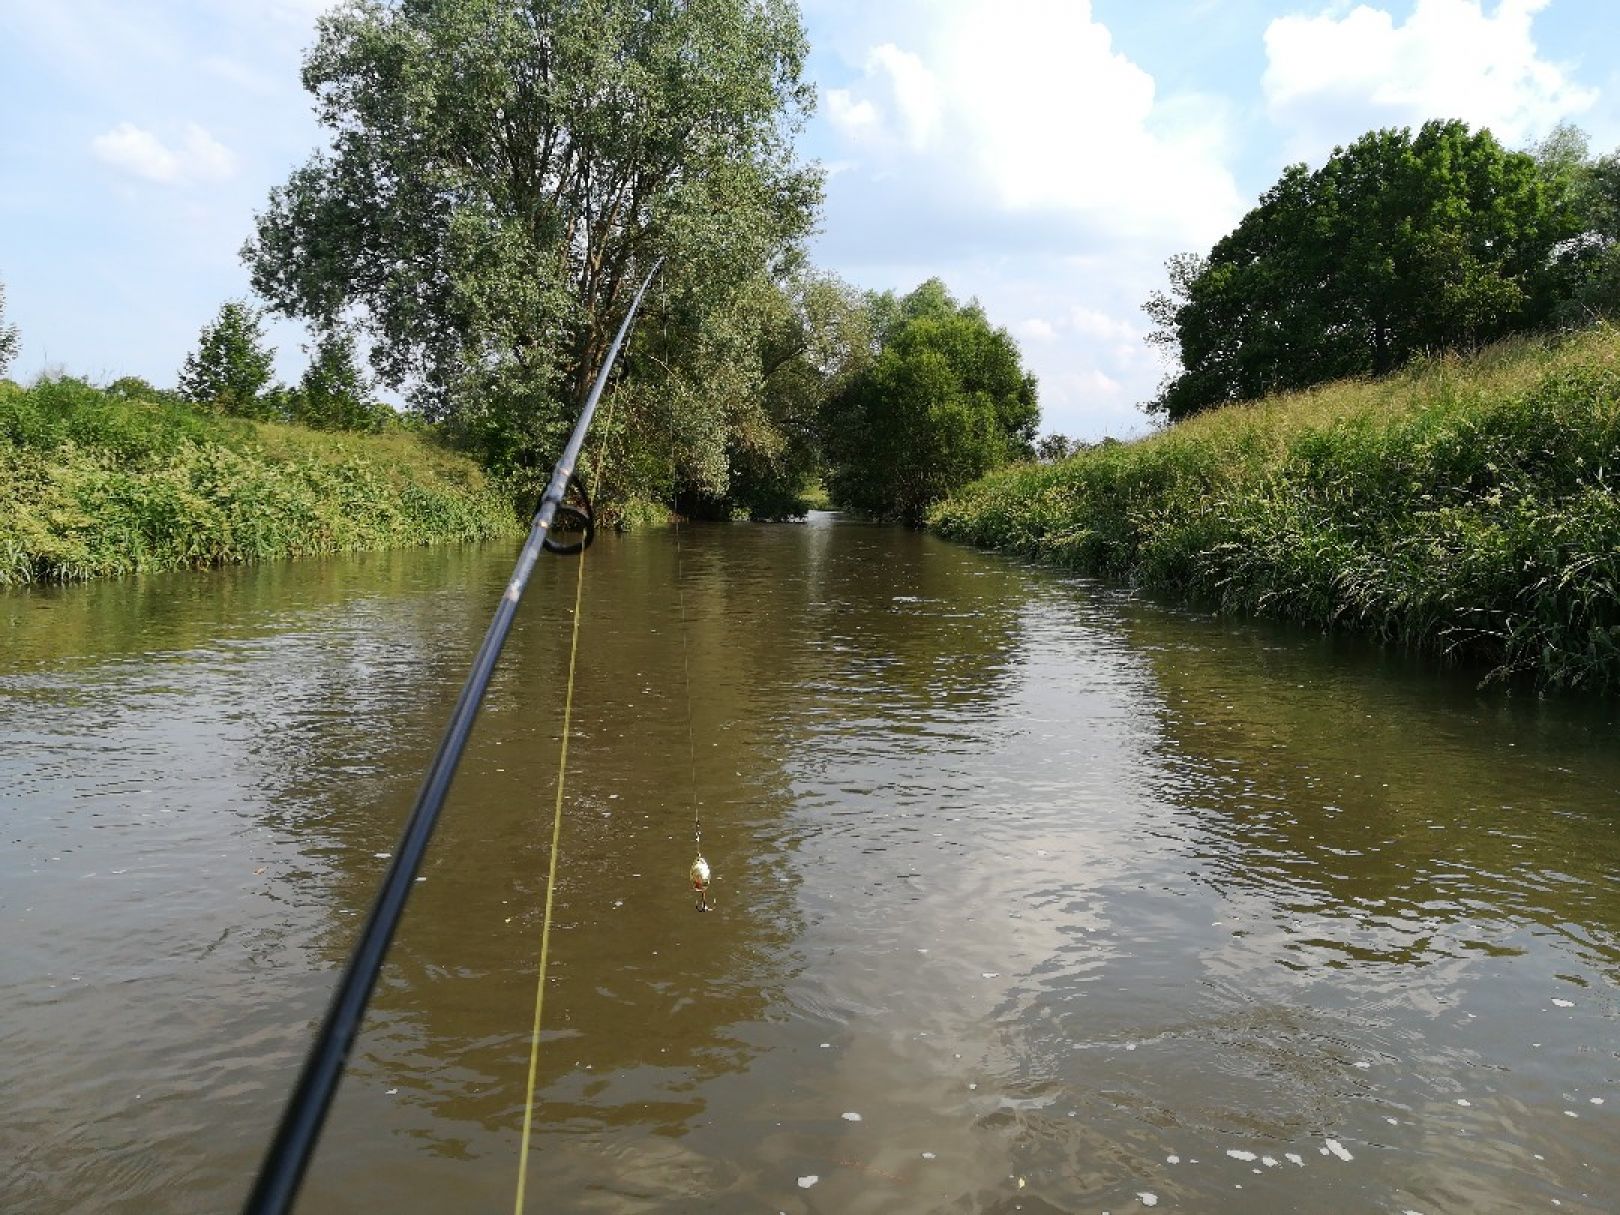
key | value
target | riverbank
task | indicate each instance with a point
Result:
(95, 484)
(1464, 507)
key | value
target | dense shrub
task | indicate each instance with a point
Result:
(1463, 507)
(93, 483)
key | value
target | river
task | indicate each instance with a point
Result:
(1032, 896)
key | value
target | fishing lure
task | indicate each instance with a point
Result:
(699, 874)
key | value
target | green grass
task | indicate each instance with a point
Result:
(94, 484)
(1466, 507)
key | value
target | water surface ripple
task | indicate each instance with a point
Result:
(1032, 897)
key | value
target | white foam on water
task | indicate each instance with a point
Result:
(1338, 1149)
(1240, 1154)
(1294, 1158)
(1148, 1198)
(806, 1182)
(852, 1116)
(1563, 1003)
(1172, 1159)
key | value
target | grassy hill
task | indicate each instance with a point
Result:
(1466, 506)
(94, 483)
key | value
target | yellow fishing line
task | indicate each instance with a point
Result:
(556, 836)
(551, 888)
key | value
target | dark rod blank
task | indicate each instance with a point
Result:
(283, 1169)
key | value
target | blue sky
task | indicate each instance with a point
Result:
(1045, 156)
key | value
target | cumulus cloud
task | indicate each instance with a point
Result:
(858, 120)
(1332, 76)
(1036, 329)
(1016, 151)
(1026, 108)
(1091, 323)
(197, 157)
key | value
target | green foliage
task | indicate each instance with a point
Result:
(94, 483)
(231, 366)
(1054, 447)
(70, 413)
(1465, 508)
(1400, 244)
(1584, 280)
(133, 388)
(332, 394)
(503, 173)
(945, 400)
(8, 335)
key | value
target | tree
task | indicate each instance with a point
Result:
(1583, 280)
(945, 400)
(332, 394)
(1399, 244)
(813, 338)
(504, 172)
(8, 335)
(231, 366)
(1049, 449)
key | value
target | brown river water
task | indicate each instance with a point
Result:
(1031, 896)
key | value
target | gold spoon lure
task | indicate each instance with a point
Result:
(700, 876)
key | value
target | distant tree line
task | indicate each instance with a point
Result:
(502, 174)
(231, 371)
(1402, 243)
(499, 177)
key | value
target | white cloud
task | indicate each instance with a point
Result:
(1089, 322)
(1014, 150)
(135, 150)
(858, 120)
(1026, 108)
(1332, 76)
(917, 93)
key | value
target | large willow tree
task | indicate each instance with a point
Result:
(501, 175)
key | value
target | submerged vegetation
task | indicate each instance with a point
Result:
(96, 482)
(1466, 507)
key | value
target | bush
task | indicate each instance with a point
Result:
(1467, 508)
(95, 483)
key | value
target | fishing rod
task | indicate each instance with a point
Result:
(300, 1129)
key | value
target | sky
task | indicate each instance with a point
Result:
(1043, 156)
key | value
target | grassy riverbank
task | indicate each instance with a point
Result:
(93, 483)
(1467, 507)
